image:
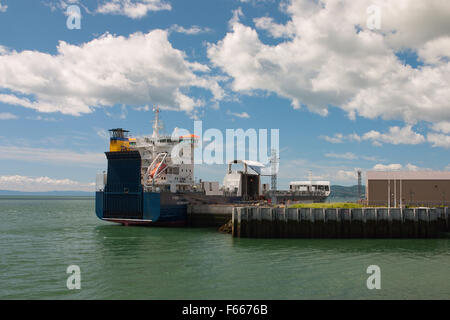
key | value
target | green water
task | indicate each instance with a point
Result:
(40, 238)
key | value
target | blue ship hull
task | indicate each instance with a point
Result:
(144, 208)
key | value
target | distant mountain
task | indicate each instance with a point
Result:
(336, 192)
(346, 192)
(49, 193)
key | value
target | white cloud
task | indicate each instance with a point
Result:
(395, 135)
(102, 133)
(346, 175)
(55, 156)
(388, 167)
(333, 59)
(274, 29)
(337, 138)
(397, 167)
(134, 9)
(145, 108)
(439, 140)
(411, 167)
(436, 51)
(135, 70)
(347, 155)
(243, 115)
(442, 127)
(3, 7)
(42, 184)
(190, 31)
(7, 116)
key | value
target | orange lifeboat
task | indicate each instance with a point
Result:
(161, 168)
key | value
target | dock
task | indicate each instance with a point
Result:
(270, 222)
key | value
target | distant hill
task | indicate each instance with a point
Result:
(346, 192)
(49, 193)
(350, 193)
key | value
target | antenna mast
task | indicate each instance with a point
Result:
(274, 169)
(157, 125)
(359, 185)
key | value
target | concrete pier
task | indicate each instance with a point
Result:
(208, 215)
(267, 222)
(340, 223)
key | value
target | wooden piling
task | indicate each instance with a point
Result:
(423, 220)
(292, 223)
(382, 229)
(356, 223)
(409, 227)
(434, 223)
(332, 224)
(370, 226)
(441, 220)
(395, 223)
(266, 223)
(345, 218)
(447, 219)
(234, 220)
(305, 222)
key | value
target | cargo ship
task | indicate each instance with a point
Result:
(146, 185)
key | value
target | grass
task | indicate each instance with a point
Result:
(335, 205)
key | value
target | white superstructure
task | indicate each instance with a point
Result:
(310, 186)
(158, 168)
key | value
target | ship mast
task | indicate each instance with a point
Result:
(157, 125)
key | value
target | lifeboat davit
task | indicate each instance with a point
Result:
(161, 168)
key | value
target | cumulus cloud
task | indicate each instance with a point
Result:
(347, 155)
(396, 167)
(53, 156)
(331, 58)
(190, 31)
(395, 135)
(274, 29)
(442, 127)
(42, 184)
(337, 138)
(134, 70)
(388, 167)
(7, 116)
(134, 9)
(345, 175)
(243, 115)
(3, 7)
(439, 140)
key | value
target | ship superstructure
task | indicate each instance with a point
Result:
(158, 168)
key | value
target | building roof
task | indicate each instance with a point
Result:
(408, 175)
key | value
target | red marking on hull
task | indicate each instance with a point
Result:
(127, 223)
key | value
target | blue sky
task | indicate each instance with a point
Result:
(343, 95)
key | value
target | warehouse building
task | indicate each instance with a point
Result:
(415, 188)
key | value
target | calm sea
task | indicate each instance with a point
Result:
(41, 237)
